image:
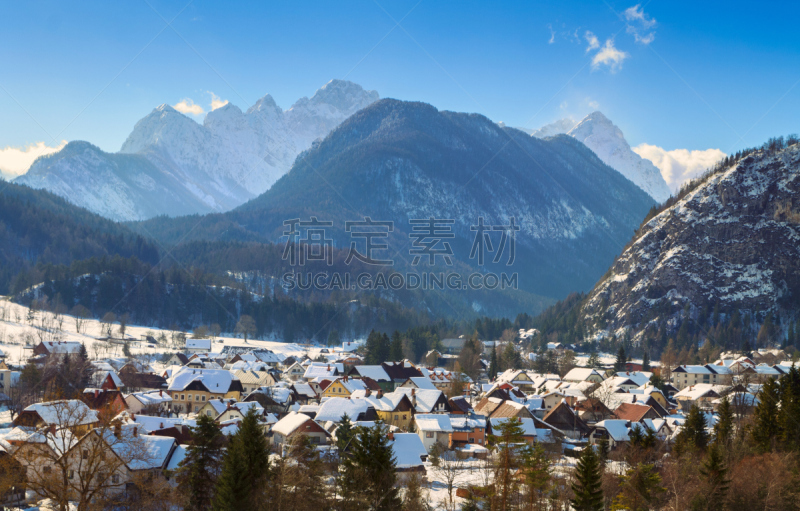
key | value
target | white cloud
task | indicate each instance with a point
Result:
(639, 24)
(216, 102)
(187, 106)
(564, 105)
(592, 40)
(15, 161)
(609, 56)
(552, 34)
(594, 105)
(679, 165)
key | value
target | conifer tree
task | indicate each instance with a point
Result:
(396, 347)
(368, 473)
(508, 461)
(693, 434)
(245, 469)
(198, 471)
(646, 361)
(713, 473)
(789, 418)
(587, 486)
(619, 365)
(344, 435)
(723, 429)
(493, 369)
(765, 418)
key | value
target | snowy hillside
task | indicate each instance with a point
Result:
(191, 168)
(734, 241)
(600, 135)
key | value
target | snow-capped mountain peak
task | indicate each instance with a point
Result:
(600, 135)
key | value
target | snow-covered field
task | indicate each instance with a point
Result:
(18, 337)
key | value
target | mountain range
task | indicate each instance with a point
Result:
(600, 135)
(171, 165)
(399, 161)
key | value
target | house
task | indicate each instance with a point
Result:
(592, 409)
(635, 412)
(553, 399)
(178, 359)
(303, 393)
(357, 410)
(409, 453)
(5, 376)
(459, 406)
(251, 380)
(433, 428)
(427, 401)
(48, 348)
(321, 370)
(688, 375)
(298, 424)
(517, 378)
(154, 401)
(620, 383)
(191, 388)
(400, 372)
(375, 372)
(344, 387)
(615, 431)
(103, 399)
(534, 430)
(237, 410)
(467, 429)
(565, 419)
(639, 377)
(139, 382)
(702, 395)
(453, 346)
(394, 408)
(71, 414)
(294, 372)
(579, 374)
(419, 382)
(198, 345)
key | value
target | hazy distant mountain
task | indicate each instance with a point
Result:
(607, 141)
(398, 161)
(172, 165)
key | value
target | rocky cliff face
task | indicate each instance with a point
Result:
(734, 240)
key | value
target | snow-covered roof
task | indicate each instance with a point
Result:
(467, 422)
(154, 397)
(318, 369)
(618, 430)
(386, 403)
(198, 344)
(62, 346)
(71, 412)
(408, 450)
(639, 377)
(177, 456)
(377, 373)
(433, 422)
(581, 374)
(332, 409)
(426, 399)
(423, 383)
(290, 423)
(215, 380)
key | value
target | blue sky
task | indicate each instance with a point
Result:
(687, 75)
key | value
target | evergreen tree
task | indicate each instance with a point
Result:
(640, 489)
(85, 369)
(368, 473)
(713, 473)
(198, 471)
(493, 369)
(508, 460)
(619, 365)
(344, 435)
(245, 469)
(333, 338)
(693, 435)
(396, 347)
(723, 429)
(646, 361)
(765, 419)
(587, 486)
(789, 418)
(594, 360)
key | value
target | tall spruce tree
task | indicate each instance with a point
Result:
(245, 469)
(198, 471)
(766, 426)
(493, 369)
(508, 460)
(368, 473)
(396, 347)
(621, 361)
(713, 473)
(693, 435)
(588, 485)
(723, 429)
(789, 417)
(646, 361)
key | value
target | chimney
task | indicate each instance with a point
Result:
(367, 393)
(391, 435)
(380, 393)
(52, 429)
(329, 367)
(136, 431)
(96, 393)
(160, 425)
(634, 398)
(160, 393)
(117, 429)
(133, 416)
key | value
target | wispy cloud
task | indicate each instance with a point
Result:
(592, 40)
(187, 106)
(216, 102)
(552, 34)
(15, 161)
(679, 165)
(609, 56)
(639, 24)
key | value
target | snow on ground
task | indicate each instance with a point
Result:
(18, 338)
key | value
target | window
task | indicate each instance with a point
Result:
(396, 417)
(115, 479)
(404, 416)
(203, 398)
(196, 407)
(85, 454)
(231, 416)
(208, 413)
(189, 397)
(429, 434)
(71, 474)
(183, 397)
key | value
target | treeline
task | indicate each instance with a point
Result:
(178, 299)
(39, 227)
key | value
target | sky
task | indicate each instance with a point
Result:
(684, 81)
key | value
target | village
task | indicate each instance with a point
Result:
(145, 409)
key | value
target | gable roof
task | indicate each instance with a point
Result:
(217, 381)
(433, 422)
(333, 409)
(632, 412)
(408, 450)
(376, 372)
(421, 382)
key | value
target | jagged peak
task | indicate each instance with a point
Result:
(265, 103)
